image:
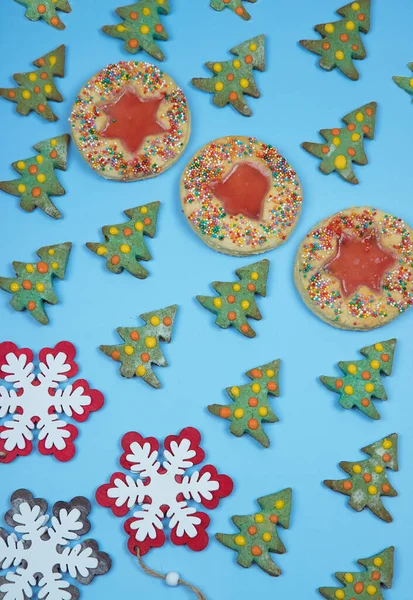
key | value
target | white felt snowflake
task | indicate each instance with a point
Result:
(163, 490)
(37, 400)
(37, 555)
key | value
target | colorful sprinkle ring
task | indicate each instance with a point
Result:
(130, 121)
(241, 196)
(354, 270)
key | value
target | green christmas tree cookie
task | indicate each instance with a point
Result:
(124, 244)
(141, 348)
(37, 180)
(33, 284)
(341, 41)
(258, 534)
(37, 87)
(366, 585)
(346, 145)
(141, 27)
(235, 5)
(368, 479)
(406, 83)
(46, 10)
(251, 405)
(362, 378)
(233, 79)
(236, 301)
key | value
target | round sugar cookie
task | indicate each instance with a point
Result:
(241, 196)
(354, 269)
(130, 121)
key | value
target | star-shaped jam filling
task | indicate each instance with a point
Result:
(243, 191)
(131, 119)
(360, 261)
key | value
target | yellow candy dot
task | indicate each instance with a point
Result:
(244, 83)
(340, 595)
(378, 469)
(139, 226)
(217, 302)
(371, 590)
(352, 369)
(372, 490)
(55, 265)
(253, 47)
(144, 210)
(21, 165)
(219, 86)
(14, 287)
(236, 63)
(379, 347)
(101, 250)
(21, 188)
(161, 1)
(340, 55)
(329, 28)
(262, 411)
(53, 143)
(369, 387)
(375, 364)
(217, 67)
(254, 275)
(360, 117)
(240, 540)
(129, 350)
(113, 231)
(387, 444)
(26, 94)
(270, 373)
(340, 162)
(39, 159)
(144, 29)
(150, 342)
(52, 60)
(124, 248)
(146, 11)
(267, 537)
(50, 252)
(255, 388)
(40, 287)
(238, 413)
(140, 371)
(349, 578)
(336, 141)
(356, 469)
(236, 287)
(350, 25)
(245, 304)
(259, 518)
(355, 137)
(235, 391)
(32, 76)
(279, 504)
(378, 562)
(348, 389)
(41, 178)
(155, 321)
(47, 88)
(29, 268)
(355, 6)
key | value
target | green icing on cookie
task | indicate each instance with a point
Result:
(37, 87)
(233, 79)
(368, 479)
(236, 301)
(46, 10)
(365, 585)
(406, 83)
(258, 534)
(341, 41)
(362, 378)
(235, 5)
(141, 26)
(346, 145)
(33, 283)
(141, 348)
(251, 406)
(124, 244)
(37, 180)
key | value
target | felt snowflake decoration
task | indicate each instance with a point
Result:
(39, 556)
(163, 488)
(37, 401)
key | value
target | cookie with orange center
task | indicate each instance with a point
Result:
(241, 196)
(354, 269)
(130, 121)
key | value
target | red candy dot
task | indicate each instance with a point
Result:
(325, 149)
(256, 373)
(133, 15)
(251, 287)
(167, 321)
(359, 587)
(41, 62)
(27, 285)
(41, 9)
(145, 357)
(230, 76)
(361, 17)
(344, 37)
(239, 10)
(326, 46)
(347, 485)
(127, 231)
(115, 260)
(367, 477)
(115, 355)
(252, 530)
(33, 169)
(43, 75)
(232, 316)
(54, 21)
(158, 28)
(36, 191)
(42, 267)
(339, 383)
(385, 357)
(253, 402)
(36, 89)
(366, 129)
(386, 457)
(245, 328)
(233, 96)
(147, 221)
(253, 424)
(134, 335)
(375, 575)
(231, 299)
(31, 305)
(11, 94)
(351, 152)
(274, 519)
(369, 111)
(53, 154)
(335, 131)
(272, 386)
(386, 488)
(366, 375)
(351, 127)
(365, 402)
(256, 551)
(248, 59)
(133, 43)
(354, 47)
(41, 108)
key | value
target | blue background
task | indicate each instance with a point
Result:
(314, 433)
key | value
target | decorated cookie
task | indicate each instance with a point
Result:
(130, 121)
(367, 584)
(234, 79)
(341, 41)
(362, 378)
(354, 269)
(37, 87)
(46, 10)
(141, 27)
(236, 301)
(41, 402)
(141, 348)
(345, 146)
(368, 479)
(251, 406)
(37, 180)
(33, 283)
(406, 83)
(241, 196)
(40, 552)
(258, 533)
(236, 6)
(124, 245)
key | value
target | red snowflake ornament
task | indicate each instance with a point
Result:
(162, 489)
(38, 400)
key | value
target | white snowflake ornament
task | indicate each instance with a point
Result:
(42, 556)
(37, 400)
(163, 491)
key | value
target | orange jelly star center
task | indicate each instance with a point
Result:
(360, 261)
(243, 191)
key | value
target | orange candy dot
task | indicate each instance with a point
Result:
(351, 152)
(147, 221)
(351, 127)
(359, 587)
(325, 149)
(344, 37)
(36, 191)
(335, 131)
(272, 386)
(347, 485)
(43, 75)
(167, 321)
(145, 357)
(367, 477)
(375, 575)
(41, 108)
(257, 373)
(232, 316)
(53, 154)
(366, 375)
(386, 488)
(386, 457)
(224, 412)
(354, 47)
(127, 231)
(230, 76)
(133, 15)
(41, 62)
(244, 328)
(256, 551)
(36, 89)
(339, 383)
(239, 10)
(274, 519)
(233, 96)
(365, 402)
(31, 305)
(27, 285)
(231, 299)
(115, 355)
(54, 21)
(253, 424)
(366, 129)
(227, 1)
(41, 9)
(252, 530)
(158, 28)
(133, 43)
(134, 335)
(361, 17)
(385, 357)
(326, 46)
(251, 287)
(42, 267)
(33, 169)
(248, 59)
(11, 94)
(253, 402)
(115, 260)
(369, 112)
